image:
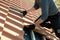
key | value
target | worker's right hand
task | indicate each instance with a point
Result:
(24, 12)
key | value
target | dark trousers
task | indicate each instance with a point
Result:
(55, 23)
(27, 35)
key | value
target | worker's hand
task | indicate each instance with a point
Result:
(24, 12)
(31, 27)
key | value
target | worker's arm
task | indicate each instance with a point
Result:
(45, 10)
(35, 7)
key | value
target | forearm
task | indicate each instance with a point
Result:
(31, 10)
(38, 22)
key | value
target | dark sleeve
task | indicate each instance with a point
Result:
(45, 9)
(36, 5)
(52, 8)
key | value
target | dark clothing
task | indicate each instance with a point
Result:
(48, 8)
(27, 35)
(49, 13)
(55, 23)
